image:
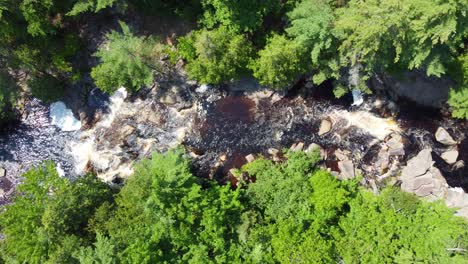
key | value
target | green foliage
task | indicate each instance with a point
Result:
(126, 60)
(411, 33)
(280, 63)
(82, 6)
(459, 96)
(243, 15)
(220, 55)
(395, 227)
(48, 218)
(293, 212)
(8, 96)
(46, 88)
(163, 215)
(311, 25)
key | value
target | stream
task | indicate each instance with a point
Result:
(220, 126)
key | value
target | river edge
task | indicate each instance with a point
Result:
(225, 127)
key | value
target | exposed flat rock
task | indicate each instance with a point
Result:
(347, 169)
(418, 165)
(2, 172)
(444, 137)
(250, 158)
(342, 154)
(421, 178)
(450, 156)
(325, 127)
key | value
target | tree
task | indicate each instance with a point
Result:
(241, 16)
(280, 62)
(126, 60)
(82, 6)
(395, 227)
(48, 218)
(458, 99)
(311, 25)
(409, 34)
(163, 214)
(220, 55)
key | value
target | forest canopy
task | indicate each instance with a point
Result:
(277, 42)
(293, 212)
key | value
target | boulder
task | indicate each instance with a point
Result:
(313, 147)
(342, 154)
(347, 169)
(2, 172)
(450, 156)
(457, 198)
(273, 152)
(383, 161)
(297, 147)
(421, 178)
(250, 158)
(416, 86)
(444, 137)
(418, 165)
(395, 146)
(325, 127)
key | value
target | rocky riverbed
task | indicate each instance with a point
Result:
(225, 127)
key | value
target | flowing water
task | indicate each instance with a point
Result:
(219, 127)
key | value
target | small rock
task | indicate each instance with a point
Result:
(2, 192)
(223, 157)
(342, 155)
(250, 158)
(325, 127)
(450, 156)
(347, 169)
(297, 147)
(395, 146)
(444, 137)
(459, 165)
(126, 130)
(383, 161)
(273, 152)
(2, 172)
(313, 147)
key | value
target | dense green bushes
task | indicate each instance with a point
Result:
(293, 212)
(275, 41)
(216, 55)
(126, 60)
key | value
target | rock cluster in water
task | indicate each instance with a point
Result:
(225, 127)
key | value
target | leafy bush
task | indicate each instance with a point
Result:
(48, 218)
(311, 24)
(459, 96)
(280, 63)
(293, 212)
(220, 55)
(126, 60)
(414, 34)
(243, 15)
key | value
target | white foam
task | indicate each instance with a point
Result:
(63, 118)
(357, 97)
(60, 171)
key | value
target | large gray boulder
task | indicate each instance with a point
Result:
(416, 86)
(346, 170)
(421, 178)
